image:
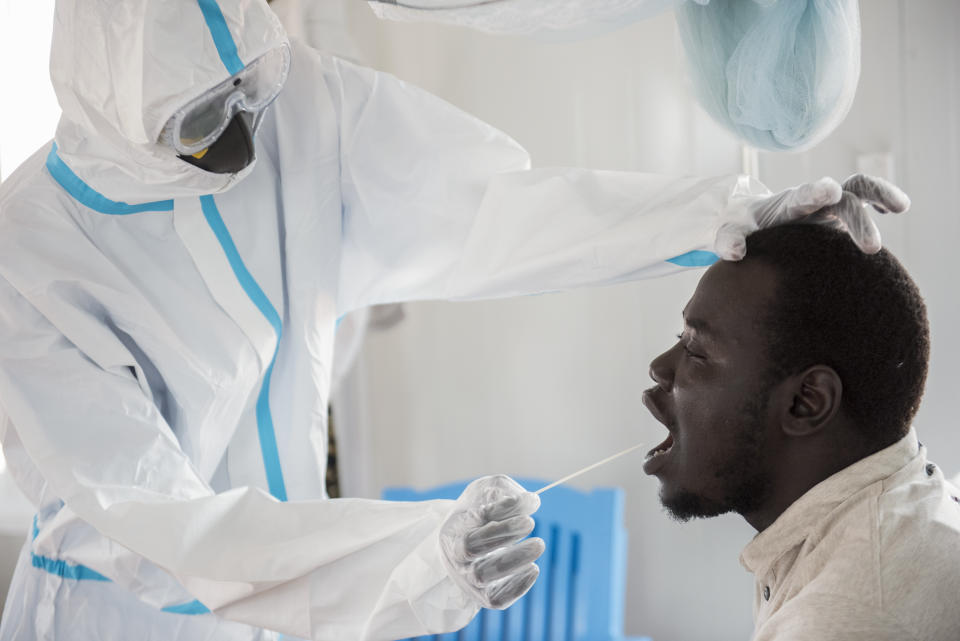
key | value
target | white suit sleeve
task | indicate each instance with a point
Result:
(438, 204)
(338, 569)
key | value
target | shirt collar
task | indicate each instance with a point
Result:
(809, 511)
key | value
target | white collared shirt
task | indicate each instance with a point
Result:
(871, 553)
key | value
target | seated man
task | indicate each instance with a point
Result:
(788, 400)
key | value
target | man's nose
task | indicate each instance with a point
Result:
(661, 369)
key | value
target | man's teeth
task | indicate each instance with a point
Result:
(658, 452)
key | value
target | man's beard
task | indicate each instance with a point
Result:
(745, 481)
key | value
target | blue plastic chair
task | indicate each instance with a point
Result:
(579, 595)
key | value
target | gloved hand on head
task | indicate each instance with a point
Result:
(848, 207)
(483, 541)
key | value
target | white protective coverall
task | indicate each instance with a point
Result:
(166, 333)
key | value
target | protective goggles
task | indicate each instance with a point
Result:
(199, 123)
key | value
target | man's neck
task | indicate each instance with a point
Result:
(801, 466)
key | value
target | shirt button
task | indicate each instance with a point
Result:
(931, 468)
(766, 593)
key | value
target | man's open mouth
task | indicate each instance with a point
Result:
(658, 456)
(661, 449)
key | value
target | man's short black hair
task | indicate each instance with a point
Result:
(860, 314)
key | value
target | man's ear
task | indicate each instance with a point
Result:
(814, 399)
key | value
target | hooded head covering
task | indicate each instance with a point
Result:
(121, 68)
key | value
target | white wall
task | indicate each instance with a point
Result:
(541, 386)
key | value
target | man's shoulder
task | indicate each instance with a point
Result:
(890, 552)
(919, 513)
(918, 551)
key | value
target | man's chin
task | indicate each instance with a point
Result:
(683, 505)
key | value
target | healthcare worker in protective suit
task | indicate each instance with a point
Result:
(171, 270)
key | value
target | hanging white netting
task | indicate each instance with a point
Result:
(780, 74)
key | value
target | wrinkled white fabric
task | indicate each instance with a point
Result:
(131, 368)
(869, 554)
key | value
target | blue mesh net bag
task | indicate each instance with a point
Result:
(781, 74)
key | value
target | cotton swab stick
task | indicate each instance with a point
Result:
(588, 468)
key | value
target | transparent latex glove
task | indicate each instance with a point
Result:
(482, 541)
(826, 202)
